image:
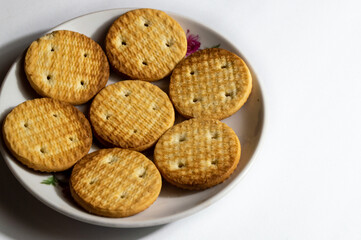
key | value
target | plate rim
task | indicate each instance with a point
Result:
(173, 217)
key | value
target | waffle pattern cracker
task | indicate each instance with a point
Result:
(115, 182)
(47, 135)
(211, 83)
(145, 44)
(67, 66)
(131, 114)
(197, 154)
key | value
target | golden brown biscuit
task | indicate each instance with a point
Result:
(145, 44)
(67, 66)
(211, 83)
(131, 114)
(115, 182)
(47, 135)
(197, 153)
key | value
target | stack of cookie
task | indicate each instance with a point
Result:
(67, 68)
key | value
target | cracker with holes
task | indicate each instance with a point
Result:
(145, 44)
(131, 114)
(197, 154)
(47, 135)
(115, 182)
(211, 83)
(67, 66)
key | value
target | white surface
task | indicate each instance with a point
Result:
(172, 203)
(306, 181)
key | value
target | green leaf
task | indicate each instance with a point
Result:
(50, 181)
(216, 46)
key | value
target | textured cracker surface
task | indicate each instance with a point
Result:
(67, 66)
(47, 135)
(115, 182)
(131, 114)
(145, 44)
(197, 153)
(212, 83)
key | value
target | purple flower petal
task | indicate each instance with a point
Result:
(193, 43)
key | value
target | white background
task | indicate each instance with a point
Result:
(306, 181)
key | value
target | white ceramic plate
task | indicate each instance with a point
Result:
(173, 203)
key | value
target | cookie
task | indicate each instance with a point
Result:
(131, 114)
(197, 154)
(67, 66)
(145, 44)
(210, 83)
(115, 182)
(47, 135)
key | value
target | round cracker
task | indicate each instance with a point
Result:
(47, 135)
(211, 83)
(115, 182)
(145, 44)
(197, 154)
(67, 66)
(131, 114)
